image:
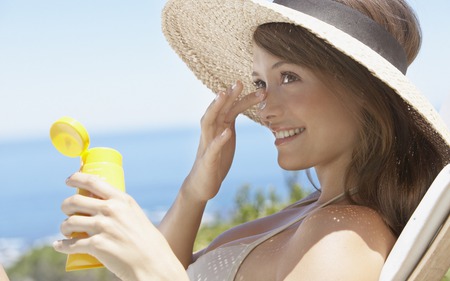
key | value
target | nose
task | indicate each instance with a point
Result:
(270, 109)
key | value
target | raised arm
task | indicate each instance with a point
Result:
(213, 161)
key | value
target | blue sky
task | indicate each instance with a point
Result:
(106, 63)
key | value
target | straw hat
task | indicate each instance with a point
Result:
(214, 38)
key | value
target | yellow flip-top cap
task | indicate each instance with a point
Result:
(69, 137)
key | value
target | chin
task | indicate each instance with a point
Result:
(291, 165)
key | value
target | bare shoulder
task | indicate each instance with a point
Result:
(359, 219)
(339, 242)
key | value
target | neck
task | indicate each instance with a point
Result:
(332, 182)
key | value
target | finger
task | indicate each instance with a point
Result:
(209, 121)
(244, 104)
(213, 110)
(80, 204)
(93, 184)
(233, 93)
(222, 103)
(74, 245)
(66, 246)
(213, 151)
(80, 224)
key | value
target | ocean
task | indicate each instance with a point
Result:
(155, 163)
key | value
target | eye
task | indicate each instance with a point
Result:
(259, 84)
(289, 77)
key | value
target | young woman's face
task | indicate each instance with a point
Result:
(311, 125)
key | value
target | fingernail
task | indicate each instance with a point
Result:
(259, 94)
(56, 244)
(262, 105)
(218, 95)
(223, 133)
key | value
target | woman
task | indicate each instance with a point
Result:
(327, 78)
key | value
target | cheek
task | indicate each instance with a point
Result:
(342, 131)
(334, 124)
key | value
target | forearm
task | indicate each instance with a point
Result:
(168, 268)
(3, 276)
(213, 161)
(181, 223)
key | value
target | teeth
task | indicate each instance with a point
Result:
(288, 133)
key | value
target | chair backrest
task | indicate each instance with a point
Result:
(420, 231)
(436, 260)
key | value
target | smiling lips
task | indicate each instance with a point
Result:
(284, 136)
(288, 133)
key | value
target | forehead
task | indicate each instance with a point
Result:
(262, 58)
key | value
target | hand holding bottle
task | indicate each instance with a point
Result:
(71, 139)
(105, 226)
(119, 234)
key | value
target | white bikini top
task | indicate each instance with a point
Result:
(222, 263)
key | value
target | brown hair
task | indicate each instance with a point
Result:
(394, 163)
(397, 17)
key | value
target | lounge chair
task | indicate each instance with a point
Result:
(422, 251)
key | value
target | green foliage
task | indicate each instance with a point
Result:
(45, 264)
(248, 209)
(208, 232)
(296, 192)
(250, 206)
(447, 276)
(262, 204)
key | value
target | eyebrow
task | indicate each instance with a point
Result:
(275, 65)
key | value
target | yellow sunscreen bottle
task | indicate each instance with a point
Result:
(71, 139)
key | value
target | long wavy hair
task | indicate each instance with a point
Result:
(393, 163)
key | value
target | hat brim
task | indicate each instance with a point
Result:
(214, 38)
